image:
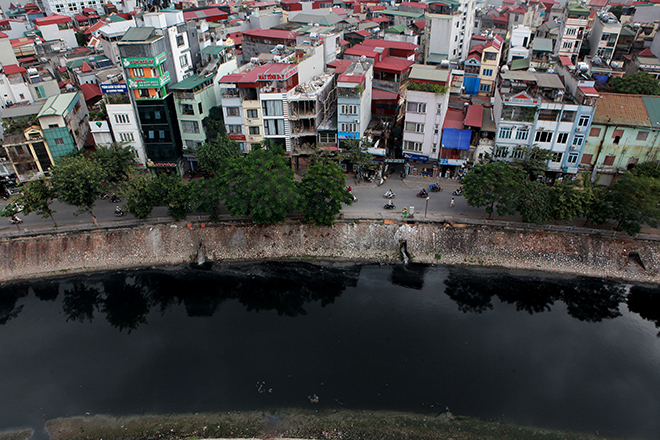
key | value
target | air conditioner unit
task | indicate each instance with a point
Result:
(357, 121)
(251, 138)
(574, 147)
(249, 121)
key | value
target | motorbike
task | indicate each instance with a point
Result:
(389, 194)
(389, 205)
(104, 196)
(423, 193)
(15, 220)
(458, 192)
(119, 212)
(435, 188)
(115, 198)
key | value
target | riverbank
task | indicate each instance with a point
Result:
(299, 424)
(43, 254)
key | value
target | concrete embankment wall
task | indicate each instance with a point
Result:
(34, 255)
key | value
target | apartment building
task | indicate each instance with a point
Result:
(574, 24)
(354, 92)
(449, 27)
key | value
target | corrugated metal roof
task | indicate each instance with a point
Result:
(652, 104)
(549, 81)
(402, 13)
(138, 34)
(190, 83)
(428, 73)
(542, 45)
(520, 64)
(57, 105)
(214, 50)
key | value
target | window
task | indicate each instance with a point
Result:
(412, 146)
(53, 126)
(594, 132)
(59, 141)
(416, 107)
(487, 72)
(518, 153)
(505, 132)
(192, 126)
(253, 113)
(187, 109)
(40, 92)
(413, 126)
(138, 72)
(571, 31)
(584, 121)
(609, 160)
(349, 127)
(22, 96)
(568, 116)
(122, 119)
(439, 109)
(548, 115)
(126, 137)
(143, 93)
(577, 141)
(642, 135)
(161, 134)
(349, 110)
(555, 157)
(180, 41)
(234, 129)
(274, 127)
(157, 115)
(272, 108)
(183, 60)
(543, 136)
(501, 151)
(151, 134)
(572, 158)
(484, 88)
(200, 107)
(328, 138)
(233, 111)
(522, 134)
(568, 45)
(562, 138)
(253, 130)
(436, 129)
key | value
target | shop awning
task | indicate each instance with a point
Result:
(456, 139)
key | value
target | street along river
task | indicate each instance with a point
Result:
(569, 353)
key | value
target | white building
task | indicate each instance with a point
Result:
(57, 27)
(519, 43)
(425, 113)
(110, 34)
(172, 25)
(571, 32)
(122, 120)
(71, 8)
(448, 30)
(604, 36)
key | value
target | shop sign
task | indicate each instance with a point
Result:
(151, 163)
(279, 76)
(237, 137)
(395, 161)
(413, 156)
(144, 62)
(149, 83)
(114, 88)
(451, 162)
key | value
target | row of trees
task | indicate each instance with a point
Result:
(260, 185)
(515, 188)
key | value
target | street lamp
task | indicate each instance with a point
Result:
(427, 206)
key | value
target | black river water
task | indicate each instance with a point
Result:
(562, 352)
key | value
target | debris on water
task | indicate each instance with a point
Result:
(313, 398)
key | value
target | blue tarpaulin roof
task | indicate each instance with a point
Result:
(456, 138)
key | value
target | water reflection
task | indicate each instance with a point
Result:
(587, 299)
(126, 298)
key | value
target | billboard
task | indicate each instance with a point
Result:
(114, 88)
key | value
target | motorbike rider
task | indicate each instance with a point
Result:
(389, 193)
(423, 192)
(390, 203)
(118, 211)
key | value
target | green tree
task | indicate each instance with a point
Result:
(322, 193)
(533, 202)
(169, 190)
(10, 210)
(635, 201)
(494, 186)
(261, 185)
(356, 153)
(205, 196)
(536, 163)
(138, 192)
(37, 196)
(78, 182)
(567, 201)
(213, 156)
(641, 83)
(214, 124)
(116, 159)
(617, 11)
(81, 39)
(648, 169)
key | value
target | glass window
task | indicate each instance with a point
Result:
(562, 138)
(187, 109)
(179, 40)
(183, 60)
(253, 113)
(584, 121)
(572, 158)
(192, 126)
(274, 126)
(522, 134)
(233, 111)
(254, 130)
(234, 129)
(505, 132)
(272, 108)
(138, 72)
(543, 136)
(144, 93)
(412, 146)
(413, 126)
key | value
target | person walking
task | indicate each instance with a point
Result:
(451, 204)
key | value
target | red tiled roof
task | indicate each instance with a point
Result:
(378, 20)
(598, 3)
(376, 8)
(393, 65)
(85, 67)
(80, 17)
(565, 61)
(477, 48)
(359, 79)
(90, 91)
(274, 34)
(453, 119)
(359, 50)
(363, 32)
(420, 24)
(13, 69)
(343, 42)
(3, 35)
(518, 10)
(414, 5)
(588, 91)
(389, 44)
(52, 19)
(340, 66)
(27, 59)
(474, 116)
(646, 53)
(479, 37)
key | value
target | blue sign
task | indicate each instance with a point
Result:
(114, 88)
(348, 135)
(414, 156)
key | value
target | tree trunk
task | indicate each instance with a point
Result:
(53, 219)
(93, 217)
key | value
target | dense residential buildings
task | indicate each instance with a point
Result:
(573, 29)
(449, 26)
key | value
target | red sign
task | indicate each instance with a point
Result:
(237, 137)
(279, 76)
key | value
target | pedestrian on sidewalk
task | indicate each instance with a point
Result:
(451, 204)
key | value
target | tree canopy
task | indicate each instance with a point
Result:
(495, 186)
(116, 160)
(322, 192)
(37, 196)
(78, 181)
(641, 83)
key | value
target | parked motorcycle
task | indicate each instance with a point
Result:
(115, 199)
(104, 196)
(423, 193)
(389, 205)
(435, 188)
(15, 220)
(389, 194)
(119, 212)
(458, 192)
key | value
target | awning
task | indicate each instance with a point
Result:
(565, 61)
(456, 139)
(588, 91)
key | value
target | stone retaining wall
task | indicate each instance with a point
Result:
(44, 254)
